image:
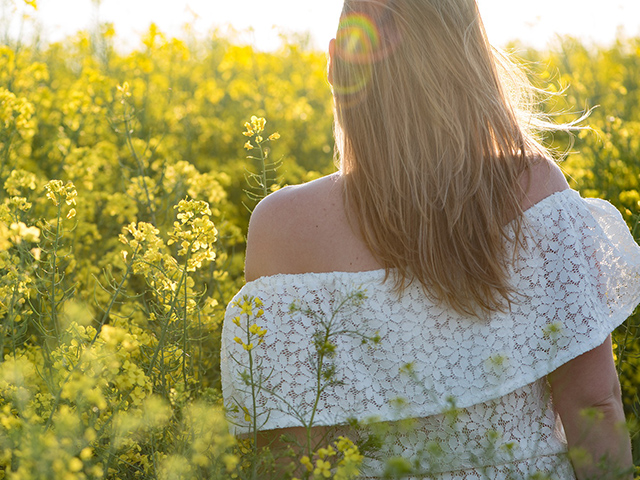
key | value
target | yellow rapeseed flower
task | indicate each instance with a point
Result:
(57, 191)
(19, 231)
(258, 123)
(75, 464)
(124, 89)
(323, 468)
(326, 452)
(246, 308)
(256, 330)
(306, 463)
(86, 453)
(230, 461)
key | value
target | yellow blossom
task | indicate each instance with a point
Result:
(19, 232)
(249, 132)
(258, 123)
(254, 329)
(124, 89)
(86, 453)
(248, 146)
(75, 464)
(326, 452)
(306, 463)
(19, 180)
(274, 136)
(255, 126)
(323, 468)
(246, 308)
(57, 192)
(230, 461)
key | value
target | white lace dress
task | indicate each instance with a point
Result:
(578, 278)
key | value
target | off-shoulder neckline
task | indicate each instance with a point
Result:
(380, 272)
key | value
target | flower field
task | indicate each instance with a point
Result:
(126, 186)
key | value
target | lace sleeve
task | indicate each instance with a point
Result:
(579, 274)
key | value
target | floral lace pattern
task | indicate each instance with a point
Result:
(578, 277)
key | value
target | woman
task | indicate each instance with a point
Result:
(490, 284)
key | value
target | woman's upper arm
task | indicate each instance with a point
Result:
(588, 380)
(541, 180)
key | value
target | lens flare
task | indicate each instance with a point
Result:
(358, 38)
(356, 41)
(362, 40)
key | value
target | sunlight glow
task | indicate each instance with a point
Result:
(262, 23)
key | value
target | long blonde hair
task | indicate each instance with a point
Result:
(432, 138)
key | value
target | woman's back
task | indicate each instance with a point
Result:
(305, 228)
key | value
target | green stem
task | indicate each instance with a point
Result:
(165, 327)
(141, 168)
(263, 174)
(319, 389)
(105, 316)
(184, 328)
(254, 407)
(54, 268)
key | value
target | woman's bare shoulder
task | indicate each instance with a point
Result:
(543, 178)
(283, 226)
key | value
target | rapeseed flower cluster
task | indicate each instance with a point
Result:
(340, 461)
(195, 233)
(16, 114)
(265, 181)
(20, 181)
(252, 333)
(20, 232)
(254, 129)
(58, 192)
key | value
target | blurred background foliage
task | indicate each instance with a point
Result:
(130, 135)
